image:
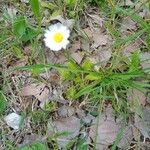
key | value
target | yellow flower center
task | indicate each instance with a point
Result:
(58, 37)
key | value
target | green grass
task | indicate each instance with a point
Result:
(86, 84)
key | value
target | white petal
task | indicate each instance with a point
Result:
(65, 44)
(49, 34)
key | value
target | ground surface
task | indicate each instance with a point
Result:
(92, 95)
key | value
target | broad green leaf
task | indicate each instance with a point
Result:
(62, 134)
(19, 26)
(39, 146)
(30, 34)
(34, 146)
(56, 13)
(65, 74)
(70, 3)
(48, 5)
(36, 10)
(22, 30)
(72, 65)
(17, 52)
(87, 65)
(82, 145)
(93, 76)
(25, 148)
(70, 92)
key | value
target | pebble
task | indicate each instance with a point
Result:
(13, 120)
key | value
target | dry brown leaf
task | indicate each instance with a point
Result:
(54, 57)
(127, 138)
(145, 60)
(96, 19)
(67, 22)
(66, 111)
(135, 98)
(75, 46)
(126, 3)
(77, 57)
(107, 132)
(143, 124)
(70, 125)
(99, 38)
(31, 138)
(128, 24)
(22, 62)
(148, 98)
(101, 58)
(107, 129)
(88, 32)
(85, 45)
(136, 133)
(131, 47)
(40, 91)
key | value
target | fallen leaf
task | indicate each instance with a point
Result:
(136, 133)
(67, 22)
(107, 132)
(77, 57)
(75, 46)
(80, 113)
(136, 98)
(148, 98)
(99, 38)
(96, 19)
(128, 49)
(56, 96)
(31, 138)
(143, 124)
(145, 60)
(127, 138)
(13, 120)
(128, 24)
(88, 32)
(66, 111)
(126, 3)
(54, 57)
(70, 125)
(85, 45)
(88, 119)
(12, 12)
(100, 58)
(107, 129)
(40, 91)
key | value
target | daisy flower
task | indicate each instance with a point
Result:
(56, 37)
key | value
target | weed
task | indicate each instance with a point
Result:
(108, 84)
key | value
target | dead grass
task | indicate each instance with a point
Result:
(97, 88)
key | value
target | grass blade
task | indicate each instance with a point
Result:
(36, 10)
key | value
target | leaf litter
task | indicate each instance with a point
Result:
(106, 129)
(96, 44)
